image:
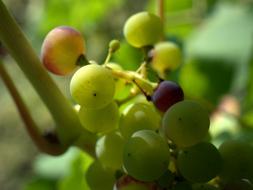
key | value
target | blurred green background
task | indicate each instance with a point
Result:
(216, 37)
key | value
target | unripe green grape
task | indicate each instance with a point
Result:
(186, 123)
(100, 178)
(138, 116)
(238, 161)
(109, 150)
(143, 29)
(199, 163)
(166, 56)
(61, 50)
(100, 120)
(92, 86)
(146, 155)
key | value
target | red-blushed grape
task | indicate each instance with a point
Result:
(61, 50)
(109, 150)
(238, 161)
(138, 116)
(92, 86)
(100, 120)
(166, 94)
(186, 123)
(143, 29)
(146, 155)
(199, 163)
(166, 56)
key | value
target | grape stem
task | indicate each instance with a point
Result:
(68, 125)
(30, 126)
(136, 78)
(160, 10)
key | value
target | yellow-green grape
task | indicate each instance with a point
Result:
(199, 163)
(186, 123)
(61, 49)
(138, 116)
(109, 150)
(146, 155)
(166, 56)
(100, 120)
(92, 86)
(238, 161)
(100, 178)
(143, 29)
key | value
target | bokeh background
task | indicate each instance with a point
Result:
(216, 38)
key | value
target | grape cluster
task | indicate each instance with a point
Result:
(145, 145)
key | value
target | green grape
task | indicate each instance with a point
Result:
(109, 150)
(100, 120)
(186, 123)
(92, 86)
(138, 116)
(100, 178)
(146, 155)
(204, 187)
(166, 56)
(143, 29)
(199, 163)
(126, 182)
(238, 160)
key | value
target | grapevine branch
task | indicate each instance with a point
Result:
(31, 127)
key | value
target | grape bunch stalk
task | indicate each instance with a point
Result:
(153, 138)
(150, 138)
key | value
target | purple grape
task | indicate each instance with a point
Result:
(167, 94)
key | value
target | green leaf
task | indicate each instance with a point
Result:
(227, 34)
(41, 184)
(76, 178)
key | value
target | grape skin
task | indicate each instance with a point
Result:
(166, 56)
(138, 116)
(186, 123)
(146, 155)
(100, 120)
(167, 94)
(199, 163)
(238, 161)
(109, 150)
(143, 29)
(92, 86)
